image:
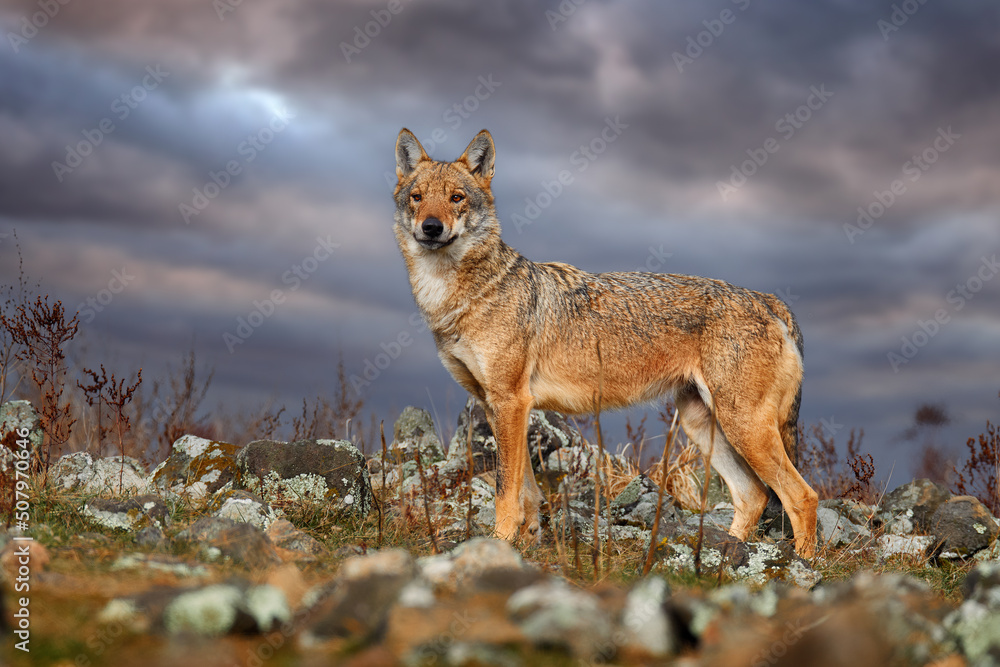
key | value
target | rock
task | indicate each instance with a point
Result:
(755, 562)
(982, 585)
(976, 630)
(469, 562)
(909, 508)
(991, 552)
(286, 536)
(975, 625)
(647, 627)
(764, 562)
(547, 432)
(635, 505)
(479, 555)
(386, 562)
(366, 590)
(962, 526)
(223, 608)
(552, 614)
(838, 531)
(306, 470)
(243, 543)
(20, 416)
(414, 432)
(139, 511)
(244, 506)
(160, 563)
(149, 537)
(903, 545)
(195, 469)
(79, 472)
(484, 445)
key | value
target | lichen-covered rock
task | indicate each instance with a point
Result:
(128, 514)
(962, 526)
(220, 609)
(150, 537)
(331, 471)
(903, 545)
(552, 614)
(645, 622)
(112, 475)
(242, 543)
(838, 531)
(635, 505)
(909, 508)
(484, 444)
(547, 432)
(195, 469)
(240, 505)
(755, 562)
(161, 563)
(414, 432)
(366, 590)
(20, 416)
(284, 535)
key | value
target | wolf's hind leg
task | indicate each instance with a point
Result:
(748, 491)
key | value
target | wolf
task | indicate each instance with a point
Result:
(519, 335)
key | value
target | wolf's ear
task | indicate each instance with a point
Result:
(480, 156)
(409, 153)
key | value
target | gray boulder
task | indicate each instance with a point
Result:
(109, 476)
(242, 506)
(962, 526)
(909, 508)
(241, 543)
(552, 614)
(414, 433)
(195, 469)
(306, 470)
(130, 514)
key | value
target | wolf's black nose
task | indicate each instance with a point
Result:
(432, 228)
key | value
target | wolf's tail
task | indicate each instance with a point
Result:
(790, 428)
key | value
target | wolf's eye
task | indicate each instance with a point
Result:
(415, 197)
(457, 198)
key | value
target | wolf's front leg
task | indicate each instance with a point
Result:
(508, 415)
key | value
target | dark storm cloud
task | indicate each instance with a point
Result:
(654, 190)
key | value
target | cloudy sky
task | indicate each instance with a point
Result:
(217, 172)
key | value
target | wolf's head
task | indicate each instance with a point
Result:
(443, 207)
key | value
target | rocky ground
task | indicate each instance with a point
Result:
(270, 554)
